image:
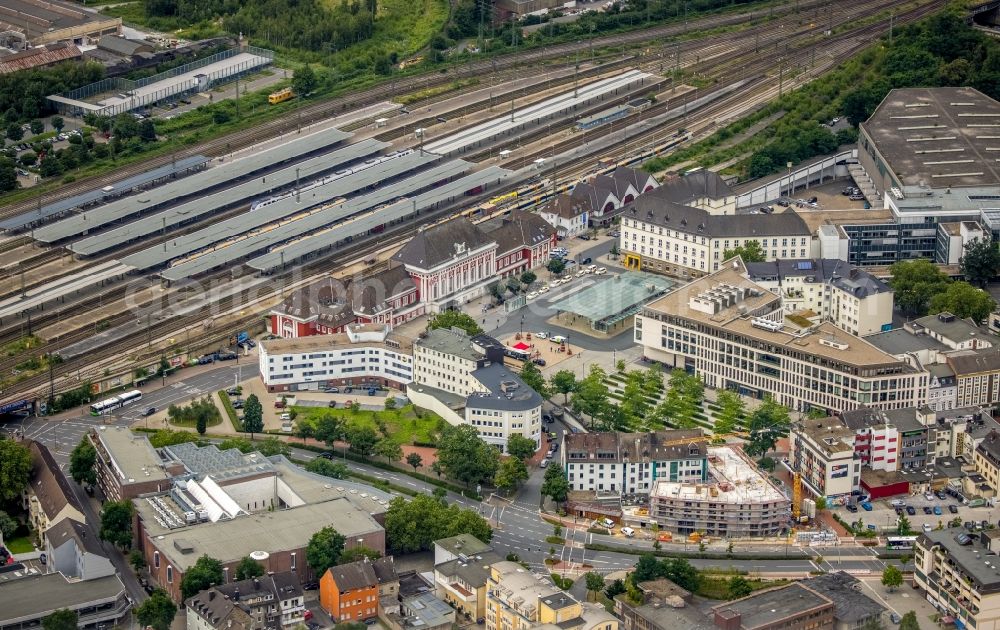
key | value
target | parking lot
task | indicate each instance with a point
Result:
(883, 514)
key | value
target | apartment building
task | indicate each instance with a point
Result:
(518, 599)
(461, 572)
(823, 452)
(49, 497)
(350, 592)
(629, 463)
(735, 500)
(275, 600)
(701, 188)
(734, 334)
(848, 297)
(986, 459)
(463, 379)
(952, 568)
(364, 355)
(661, 236)
(977, 378)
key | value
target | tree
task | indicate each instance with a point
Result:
(62, 619)
(556, 266)
(683, 400)
(615, 588)
(510, 474)
(8, 177)
(564, 382)
(595, 582)
(533, 378)
(363, 440)
(14, 132)
(389, 449)
(497, 290)
(738, 587)
(329, 429)
(37, 127)
(390, 403)
(520, 447)
(157, 611)
(680, 572)
(528, 277)
(82, 461)
(980, 262)
(903, 527)
(304, 81)
(914, 282)
(253, 415)
(248, 568)
(751, 252)
(15, 469)
(648, 568)
(57, 123)
(325, 467)
(554, 485)
(414, 525)
(513, 285)
(465, 457)
(634, 404)
(201, 424)
(359, 553)
(768, 423)
(909, 621)
(8, 525)
(415, 460)
(964, 300)
(147, 130)
(892, 577)
(116, 523)
(730, 414)
(324, 549)
(591, 395)
(137, 560)
(205, 572)
(454, 319)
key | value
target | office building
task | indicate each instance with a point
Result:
(128, 465)
(953, 570)
(735, 499)
(30, 597)
(364, 355)
(734, 334)
(848, 297)
(823, 452)
(792, 607)
(518, 599)
(628, 463)
(464, 380)
(661, 236)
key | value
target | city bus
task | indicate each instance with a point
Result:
(127, 398)
(900, 543)
(115, 402)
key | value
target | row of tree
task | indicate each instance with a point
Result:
(921, 288)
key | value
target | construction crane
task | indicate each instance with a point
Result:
(796, 496)
(704, 438)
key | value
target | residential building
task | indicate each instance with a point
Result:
(987, 459)
(518, 599)
(734, 334)
(701, 188)
(387, 297)
(463, 379)
(890, 440)
(271, 601)
(419, 609)
(49, 497)
(977, 378)
(848, 297)
(952, 571)
(823, 452)
(736, 499)
(72, 550)
(30, 598)
(128, 465)
(461, 572)
(629, 463)
(661, 236)
(664, 606)
(232, 505)
(568, 214)
(791, 607)
(364, 355)
(388, 584)
(349, 592)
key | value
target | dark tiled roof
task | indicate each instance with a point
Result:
(566, 206)
(851, 605)
(521, 229)
(637, 446)
(950, 327)
(520, 397)
(122, 46)
(335, 303)
(635, 177)
(901, 341)
(68, 529)
(839, 273)
(697, 185)
(354, 576)
(48, 483)
(368, 293)
(655, 207)
(975, 363)
(432, 246)
(385, 570)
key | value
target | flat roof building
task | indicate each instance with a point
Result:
(27, 600)
(954, 571)
(36, 22)
(792, 607)
(128, 465)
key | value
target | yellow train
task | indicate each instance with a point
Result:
(280, 96)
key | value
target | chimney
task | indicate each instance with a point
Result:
(211, 594)
(236, 594)
(728, 619)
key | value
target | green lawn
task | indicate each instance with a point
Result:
(718, 587)
(19, 545)
(190, 424)
(402, 425)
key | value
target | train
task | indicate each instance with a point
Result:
(329, 178)
(280, 96)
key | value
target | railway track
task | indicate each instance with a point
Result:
(836, 49)
(331, 107)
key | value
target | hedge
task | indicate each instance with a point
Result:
(231, 411)
(672, 553)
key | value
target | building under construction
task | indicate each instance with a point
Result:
(736, 500)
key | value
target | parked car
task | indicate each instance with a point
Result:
(558, 339)
(927, 527)
(279, 404)
(628, 532)
(585, 237)
(332, 390)
(895, 618)
(234, 391)
(929, 496)
(910, 510)
(541, 335)
(953, 508)
(544, 463)
(897, 503)
(866, 506)
(937, 510)
(600, 271)
(546, 418)
(286, 417)
(857, 197)
(852, 509)
(238, 403)
(928, 510)
(587, 261)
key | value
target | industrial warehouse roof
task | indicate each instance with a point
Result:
(940, 137)
(36, 18)
(331, 215)
(361, 225)
(205, 180)
(206, 205)
(615, 295)
(247, 223)
(136, 181)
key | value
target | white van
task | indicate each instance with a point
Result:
(557, 339)
(544, 464)
(628, 532)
